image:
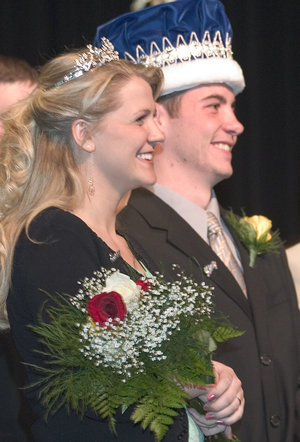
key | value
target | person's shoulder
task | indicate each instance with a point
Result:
(54, 216)
(145, 202)
(53, 221)
(294, 252)
(293, 257)
(54, 229)
(140, 195)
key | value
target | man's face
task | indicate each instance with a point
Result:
(201, 137)
(11, 93)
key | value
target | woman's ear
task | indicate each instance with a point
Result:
(80, 131)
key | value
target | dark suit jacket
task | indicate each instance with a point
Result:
(266, 357)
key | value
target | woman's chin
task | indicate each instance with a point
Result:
(148, 180)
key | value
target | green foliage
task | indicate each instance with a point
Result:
(157, 412)
(222, 334)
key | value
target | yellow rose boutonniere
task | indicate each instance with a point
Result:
(254, 233)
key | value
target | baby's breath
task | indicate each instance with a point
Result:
(150, 321)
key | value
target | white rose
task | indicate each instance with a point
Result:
(122, 284)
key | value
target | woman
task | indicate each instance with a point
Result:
(69, 154)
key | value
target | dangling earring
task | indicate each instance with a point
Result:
(91, 187)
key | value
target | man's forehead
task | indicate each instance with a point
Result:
(204, 91)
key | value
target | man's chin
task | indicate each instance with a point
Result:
(221, 176)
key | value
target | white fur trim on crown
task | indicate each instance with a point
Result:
(181, 76)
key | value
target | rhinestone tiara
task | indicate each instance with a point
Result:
(184, 52)
(91, 59)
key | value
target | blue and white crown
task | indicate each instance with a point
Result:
(183, 51)
(190, 40)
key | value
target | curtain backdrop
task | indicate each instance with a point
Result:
(266, 41)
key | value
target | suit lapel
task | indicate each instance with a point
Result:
(253, 277)
(182, 236)
(179, 233)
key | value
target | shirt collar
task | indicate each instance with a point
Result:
(194, 215)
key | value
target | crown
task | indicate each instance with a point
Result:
(91, 59)
(190, 40)
(183, 51)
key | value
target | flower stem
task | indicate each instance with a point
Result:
(252, 257)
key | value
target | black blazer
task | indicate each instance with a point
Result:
(14, 415)
(66, 252)
(266, 357)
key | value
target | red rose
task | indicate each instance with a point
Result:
(107, 305)
(144, 284)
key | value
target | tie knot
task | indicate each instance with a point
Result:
(213, 224)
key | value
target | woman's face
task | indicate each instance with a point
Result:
(125, 141)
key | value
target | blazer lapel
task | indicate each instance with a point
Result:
(182, 236)
(254, 283)
(161, 216)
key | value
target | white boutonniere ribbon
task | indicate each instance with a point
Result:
(254, 233)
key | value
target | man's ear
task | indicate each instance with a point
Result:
(80, 131)
(161, 116)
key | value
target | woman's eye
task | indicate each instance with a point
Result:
(140, 120)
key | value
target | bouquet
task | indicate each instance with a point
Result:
(120, 342)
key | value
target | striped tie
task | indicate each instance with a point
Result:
(221, 248)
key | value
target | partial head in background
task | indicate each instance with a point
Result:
(17, 80)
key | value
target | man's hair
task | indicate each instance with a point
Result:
(16, 70)
(171, 102)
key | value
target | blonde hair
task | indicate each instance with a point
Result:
(39, 162)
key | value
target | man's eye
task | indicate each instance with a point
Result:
(215, 106)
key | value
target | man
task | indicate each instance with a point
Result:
(180, 221)
(17, 80)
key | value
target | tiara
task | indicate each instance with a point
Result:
(183, 51)
(91, 59)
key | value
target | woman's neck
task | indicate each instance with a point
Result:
(100, 216)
